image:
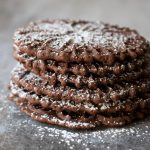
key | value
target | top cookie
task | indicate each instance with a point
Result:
(79, 41)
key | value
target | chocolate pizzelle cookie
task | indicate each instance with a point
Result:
(79, 41)
(81, 74)
(82, 69)
(32, 82)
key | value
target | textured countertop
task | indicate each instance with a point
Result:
(18, 131)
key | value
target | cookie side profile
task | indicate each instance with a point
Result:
(91, 82)
(82, 69)
(46, 102)
(32, 82)
(75, 120)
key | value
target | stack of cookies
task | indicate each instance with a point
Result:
(81, 74)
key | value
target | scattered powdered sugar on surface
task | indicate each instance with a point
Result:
(17, 128)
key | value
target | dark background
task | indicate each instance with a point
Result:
(19, 132)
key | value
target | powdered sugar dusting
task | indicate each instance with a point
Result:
(61, 33)
(85, 139)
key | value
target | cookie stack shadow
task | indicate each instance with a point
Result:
(81, 74)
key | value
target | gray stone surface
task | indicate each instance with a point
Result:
(18, 131)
